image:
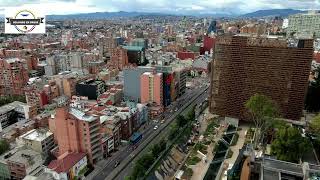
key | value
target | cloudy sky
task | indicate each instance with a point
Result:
(167, 6)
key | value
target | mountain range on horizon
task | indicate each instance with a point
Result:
(272, 12)
(110, 15)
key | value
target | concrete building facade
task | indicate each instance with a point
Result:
(305, 25)
(24, 162)
(131, 87)
(151, 88)
(39, 140)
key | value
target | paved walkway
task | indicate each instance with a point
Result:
(235, 149)
(200, 169)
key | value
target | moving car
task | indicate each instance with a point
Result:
(155, 128)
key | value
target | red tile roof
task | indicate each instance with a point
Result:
(63, 165)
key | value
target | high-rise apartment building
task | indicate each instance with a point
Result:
(140, 42)
(119, 58)
(169, 30)
(13, 76)
(136, 55)
(91, 88)
(212, 27)
(151, 88)
(57, 64)
(35, 94)
(131, 85)
(243, 66)
(305, 25)
(77, 131)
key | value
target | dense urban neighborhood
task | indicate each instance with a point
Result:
(131, 96)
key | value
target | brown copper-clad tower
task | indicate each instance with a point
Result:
(275, 67)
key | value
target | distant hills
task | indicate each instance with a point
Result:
(110, 15)
(101, 15)
(272, 12)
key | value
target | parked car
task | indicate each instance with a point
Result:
(155, 128)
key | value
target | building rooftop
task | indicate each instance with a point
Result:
(276, 169)
(81, 115)
(91, 82)
(12, 60)
(6, 108)
(66, 163)
(61, 98)
(133, 48)
(37, 135)
(30, 158)
(11, 106)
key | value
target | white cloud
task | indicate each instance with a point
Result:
(180, 6)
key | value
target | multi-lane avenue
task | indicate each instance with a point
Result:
(150, 136)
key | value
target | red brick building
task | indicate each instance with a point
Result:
(186, 55)
(13, 76)
(208, 43)
(119, 58)
(244, 66)
(77, 132)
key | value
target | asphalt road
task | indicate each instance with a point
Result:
(108, 170)
(164, 133)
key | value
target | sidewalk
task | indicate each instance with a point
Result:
(235, 149)
(200, 169)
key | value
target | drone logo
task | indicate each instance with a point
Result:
(24, 21)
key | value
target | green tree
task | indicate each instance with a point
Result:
(289, 145)
(163, 144)
(142, 165)
(181, 121)
(156, 150)
(174, 129)
(262, 110)
(4, 146)
(138, 171)
(9, 99)
(191, 114)
(146, 160)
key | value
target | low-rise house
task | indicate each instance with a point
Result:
(68, 166)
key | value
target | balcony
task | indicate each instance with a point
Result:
(96, 146)
(94, 140)
(94, 127)
(94, 130)
(97, 155)
(96, 151)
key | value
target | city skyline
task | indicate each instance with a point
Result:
(232, 7)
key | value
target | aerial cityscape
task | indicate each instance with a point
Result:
(160, 90)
